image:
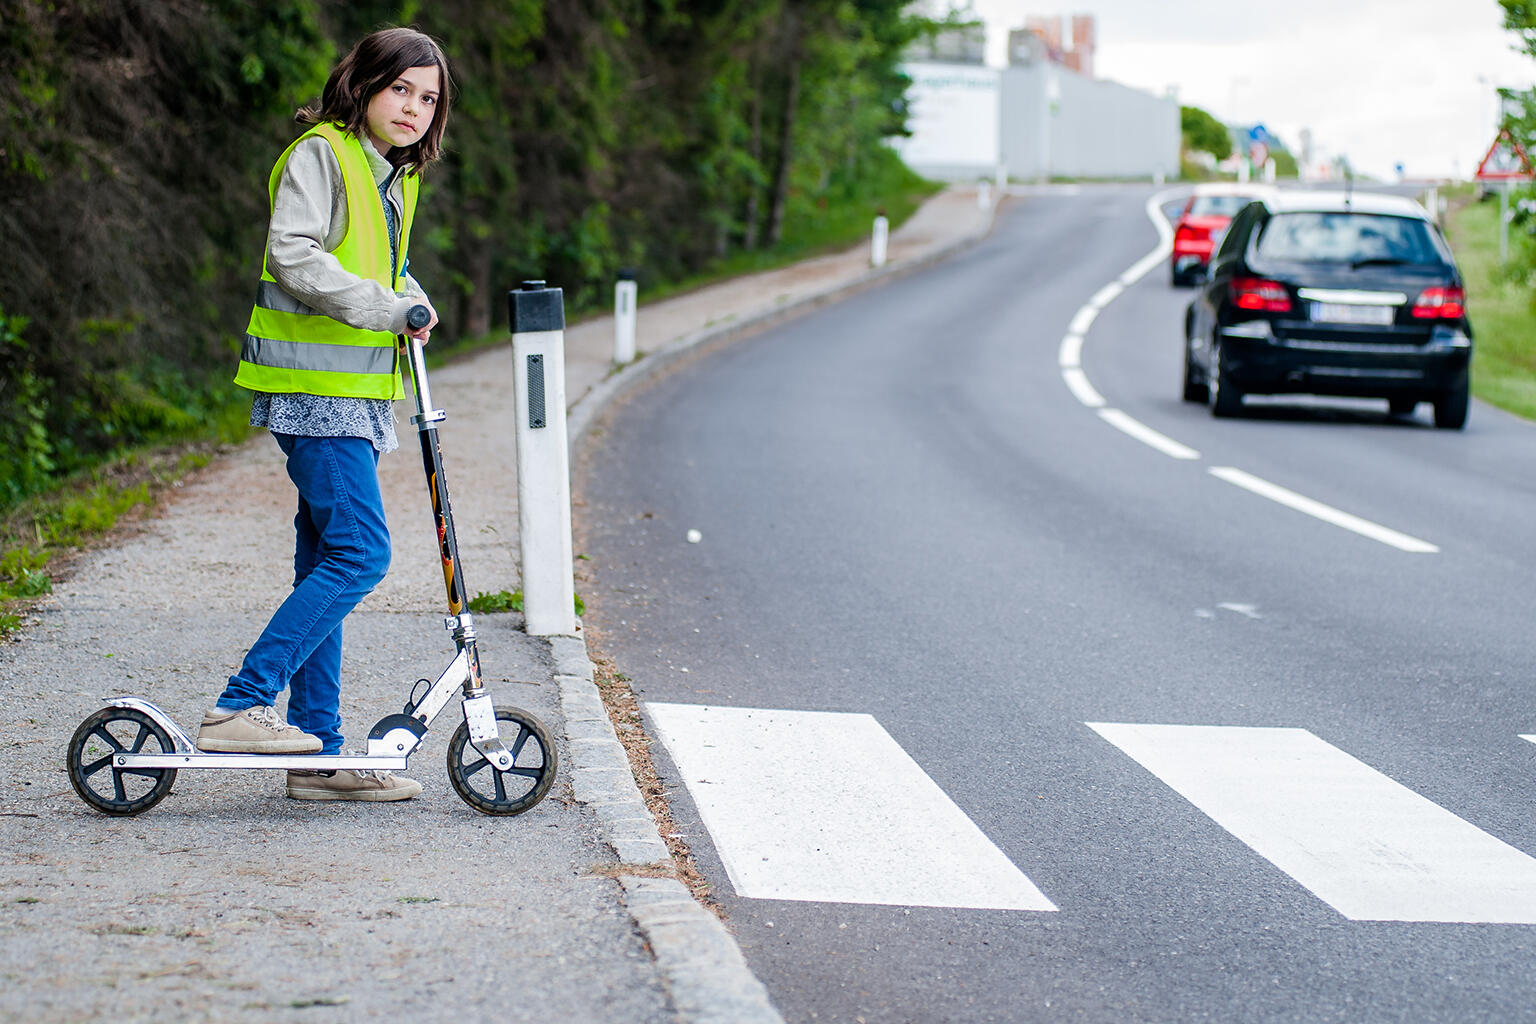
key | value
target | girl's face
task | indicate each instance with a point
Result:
(400, 113)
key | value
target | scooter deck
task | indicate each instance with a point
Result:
(303, 762)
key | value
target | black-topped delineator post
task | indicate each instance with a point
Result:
(537, 317)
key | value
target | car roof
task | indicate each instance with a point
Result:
(1306, 201)
(1232, 188)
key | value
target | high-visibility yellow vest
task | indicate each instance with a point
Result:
(293, 347)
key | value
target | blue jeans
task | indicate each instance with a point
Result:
(341, 553)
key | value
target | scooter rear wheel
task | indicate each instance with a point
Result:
(492, 791)
(113, 790)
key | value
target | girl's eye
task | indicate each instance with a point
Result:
(429, 100)
(398, 88)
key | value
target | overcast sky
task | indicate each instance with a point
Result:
(1383, 81)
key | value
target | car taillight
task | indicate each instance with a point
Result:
(1440, 303)
(1187, 233)
(1259, 294)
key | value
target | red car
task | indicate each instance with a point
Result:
(1200, 227)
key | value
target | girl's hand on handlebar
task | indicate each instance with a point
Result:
(422, 334)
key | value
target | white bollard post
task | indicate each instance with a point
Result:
(537, 316)
(1432, 203)
(624, 314)
(1269, 171)
(879, 240)
(984, 195)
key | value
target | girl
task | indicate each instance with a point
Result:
(321, 358)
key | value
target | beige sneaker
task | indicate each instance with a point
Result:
(349, 784)
(255, 730)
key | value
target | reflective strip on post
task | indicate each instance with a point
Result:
(878, 241)
(537, 317)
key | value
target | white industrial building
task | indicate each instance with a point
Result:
(1040, 117)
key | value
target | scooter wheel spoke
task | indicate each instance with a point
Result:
(517, 746)
(94, 746)
(101, 733)
(96, 766)
(535, 764)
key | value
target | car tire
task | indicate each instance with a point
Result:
(1195, 389)
(1452, 403)
(1224, 397)
(1175, 279)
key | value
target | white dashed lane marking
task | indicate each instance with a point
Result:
(1069, 357)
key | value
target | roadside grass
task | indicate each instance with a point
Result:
(1502, 309)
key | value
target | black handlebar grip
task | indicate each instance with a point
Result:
(418, 317)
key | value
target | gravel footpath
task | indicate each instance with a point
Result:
(229, 902)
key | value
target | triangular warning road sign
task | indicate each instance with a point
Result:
(1505, 161)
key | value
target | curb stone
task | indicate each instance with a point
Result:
(703, 967)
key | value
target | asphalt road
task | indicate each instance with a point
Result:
(904, 512)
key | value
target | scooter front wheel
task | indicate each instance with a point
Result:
(488, 789)
(100, 783)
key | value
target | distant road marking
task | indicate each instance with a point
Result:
(824, 806)
(1077, 383)
(1327, 513)
(1082, 320)
(1071, 351)
(1367, 846)
(1146, 435)
(1104, 296)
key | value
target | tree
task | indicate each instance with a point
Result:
(1202, 133)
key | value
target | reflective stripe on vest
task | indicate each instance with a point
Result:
(292, 347)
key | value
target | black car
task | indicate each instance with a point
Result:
(1331, 293)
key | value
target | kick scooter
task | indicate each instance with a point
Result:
(123, 759)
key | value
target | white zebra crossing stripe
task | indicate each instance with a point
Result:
(1367, 846)
(824, 806)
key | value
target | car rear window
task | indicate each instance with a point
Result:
(1346, 238)
(1217, 206)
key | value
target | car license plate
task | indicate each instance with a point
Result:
(1343, 313)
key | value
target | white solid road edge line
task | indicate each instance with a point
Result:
(1146, 435)
(1327, 513)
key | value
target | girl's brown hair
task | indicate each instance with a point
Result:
(372, 66)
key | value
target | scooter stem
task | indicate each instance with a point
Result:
(426, 421)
